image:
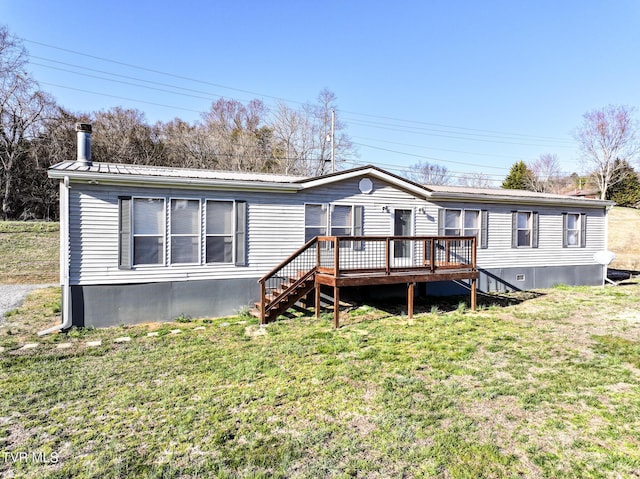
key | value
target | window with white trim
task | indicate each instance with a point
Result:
(461, 222)
(573, 230)
(148, 230)
(341, 220)
(524, 229)
(315, 221)
(219, 232)
(142, 235)
(185, 231)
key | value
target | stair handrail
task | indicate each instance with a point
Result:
(289, 259)
(263, 281)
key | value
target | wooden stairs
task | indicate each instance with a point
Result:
(280, 299)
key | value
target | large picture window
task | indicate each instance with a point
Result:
(143, 236)
(148, 231)
(185, 231)
(219, 232)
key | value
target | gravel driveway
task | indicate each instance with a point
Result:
(12, 295)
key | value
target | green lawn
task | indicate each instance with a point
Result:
(29, 252)
(549, 387)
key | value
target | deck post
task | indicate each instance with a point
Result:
(317, 303)
(410, 291)
(387, 257)
(336, 307)
(263, 302)
(473, 294)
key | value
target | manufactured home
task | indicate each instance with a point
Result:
(141, 243)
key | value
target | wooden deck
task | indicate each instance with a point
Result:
(343, 261)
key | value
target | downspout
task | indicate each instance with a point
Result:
(64, 260)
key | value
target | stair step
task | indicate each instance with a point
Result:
(255, 313)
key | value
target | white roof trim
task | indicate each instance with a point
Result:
(497, 196)
(422, 192)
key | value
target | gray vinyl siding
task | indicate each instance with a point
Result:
(276, 229)
(550, 252)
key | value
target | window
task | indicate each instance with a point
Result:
(219, 232)
(148, 231)
(143, 236)
(452, 222)
(341, 221)
(185, 231)
(458, 222)
(315, 221)
(471, 223)
(574, 230)
(524, 229)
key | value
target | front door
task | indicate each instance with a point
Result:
(402, 226)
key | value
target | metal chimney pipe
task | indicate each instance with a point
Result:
(84, 143)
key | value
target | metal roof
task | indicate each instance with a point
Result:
(115, 173)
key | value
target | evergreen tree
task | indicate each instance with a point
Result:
(519, 177)
(625, 187)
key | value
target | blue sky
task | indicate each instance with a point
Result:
(474, 86)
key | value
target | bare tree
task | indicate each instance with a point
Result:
(23, 106)
(302, 138)
(545, 174)
(426, 173)
(606, 135)
(475, 180)
(122, 135)
(238, 134)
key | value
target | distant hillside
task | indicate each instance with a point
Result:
(624, 237)
(29, 252)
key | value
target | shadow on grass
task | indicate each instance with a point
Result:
(444, 304)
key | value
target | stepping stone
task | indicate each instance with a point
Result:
(175, 331)
(94, 344)
(153, 333)
(1, 349)
(224, 325)
(122, 339)
(64, 345)
(199, 328)
(30, 346)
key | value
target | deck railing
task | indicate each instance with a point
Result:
(340, 255)
(351, 255)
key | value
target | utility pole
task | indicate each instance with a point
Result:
(333, 140)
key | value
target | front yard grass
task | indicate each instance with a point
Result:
(547, 388)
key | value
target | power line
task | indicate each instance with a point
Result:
(120, 97)
(427, 133)
(521, 135)
(433, 148)
(158, 72)
(427, 157)
(392, 127)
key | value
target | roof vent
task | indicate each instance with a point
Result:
(84, 143)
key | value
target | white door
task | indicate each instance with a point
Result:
(402, 226)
